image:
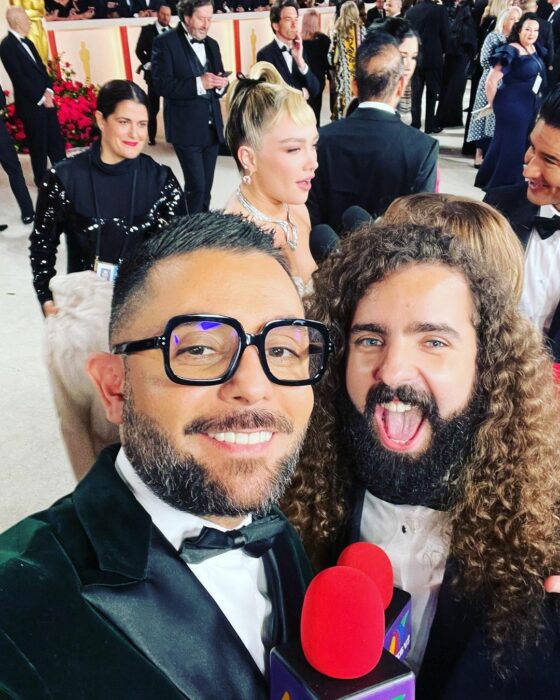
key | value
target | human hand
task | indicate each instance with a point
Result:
(211, 81)
(552, 584)
(49, 102)
(297, 50)
(50, 309)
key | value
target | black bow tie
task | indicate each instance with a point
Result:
(255, 539)
(198, 41)
(286, 49)
(546, 226)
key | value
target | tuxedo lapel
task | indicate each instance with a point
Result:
(193, 60)
(37, 63)
(281, 64)
(173, 621)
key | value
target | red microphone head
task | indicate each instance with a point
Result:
(371, 560)
(342, 623)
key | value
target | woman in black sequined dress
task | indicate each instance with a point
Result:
(105, 201)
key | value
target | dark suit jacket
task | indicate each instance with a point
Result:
(144, 46)
(29, 78)
(432, 24)
(520, 212)
(175, 68)
(137, 6)
(369, 159)
(373, 15)
(123, 9)
(95, 604)
(546, 41)
(456, 664)
(272, 53)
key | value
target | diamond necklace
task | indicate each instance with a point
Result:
(289, 228)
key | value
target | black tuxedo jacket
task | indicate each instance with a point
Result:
(175, 68)
(29, 78)
(373, 15)
(369, 159)
(273, 54)
(95, 603)
(432, 24)
(456, 664)
(144, 46)
(520, 212)
(137, 6)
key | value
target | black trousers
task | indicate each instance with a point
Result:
(43, 138)
(153, 107)
(198, 164)
(431, 79)
(10, 162)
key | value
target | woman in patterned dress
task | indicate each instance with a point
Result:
(347, 36)
(481, 130)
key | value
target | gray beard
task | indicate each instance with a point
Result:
(186, 484)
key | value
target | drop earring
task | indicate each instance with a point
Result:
(246, 179)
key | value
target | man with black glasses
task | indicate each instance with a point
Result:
(169, 572)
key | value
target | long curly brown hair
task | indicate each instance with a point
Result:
(505, 520)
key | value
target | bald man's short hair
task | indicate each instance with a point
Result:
(379, 67)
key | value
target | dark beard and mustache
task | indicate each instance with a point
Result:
(189, 485)
(426, 479)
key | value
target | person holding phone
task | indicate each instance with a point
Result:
(286, 52)
(187, 70)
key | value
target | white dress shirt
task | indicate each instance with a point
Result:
(288, 56)
(541, 286)
(416, 540)
(554, 8)
(236, 581)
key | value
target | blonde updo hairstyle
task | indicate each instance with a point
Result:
(256, 102)
(483, 229)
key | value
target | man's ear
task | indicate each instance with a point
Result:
(354, 87)
(401, 86)
(106, 372)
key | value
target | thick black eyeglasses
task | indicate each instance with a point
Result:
(206, 349)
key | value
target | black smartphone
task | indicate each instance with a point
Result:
(225, 74)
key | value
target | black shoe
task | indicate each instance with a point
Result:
(152, 142)
(3, 227)
(28, 219)
(435, 130)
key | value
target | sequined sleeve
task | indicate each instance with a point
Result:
(171, 202)
(52, 203)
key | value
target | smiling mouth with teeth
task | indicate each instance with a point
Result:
(399, 424)
(255, 438)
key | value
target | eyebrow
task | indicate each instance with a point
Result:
(543, 153)
(422, 327)
(294, 139)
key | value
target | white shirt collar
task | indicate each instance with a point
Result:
(548, 211)
(174, 524)
(281, 44)
(383, 106)
(160, 28)
(17, 35)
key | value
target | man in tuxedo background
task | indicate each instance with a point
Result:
(187, 71)
(533, 210)
(144, 52)
(378, 12)
(371, 157)
(285, 51)
(393, 8)
(431, 22)
(169, 572)
(12, 167)
(33, 94)
(435, 437)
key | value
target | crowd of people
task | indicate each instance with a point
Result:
(243, 393)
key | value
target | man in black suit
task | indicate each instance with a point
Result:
(12, 168)
(378, 12)
(144, 52)
(285, 51)
(33, 94)
(169, 572)
(440, 412)
(553, 18)
(532, 210)
(371, 157)
(187, 71)
(432, 24)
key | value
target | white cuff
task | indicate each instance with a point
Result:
(200, 87)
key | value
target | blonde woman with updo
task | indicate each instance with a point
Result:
(272, 134)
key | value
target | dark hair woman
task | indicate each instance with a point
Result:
(106, 201)
(515, 103)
